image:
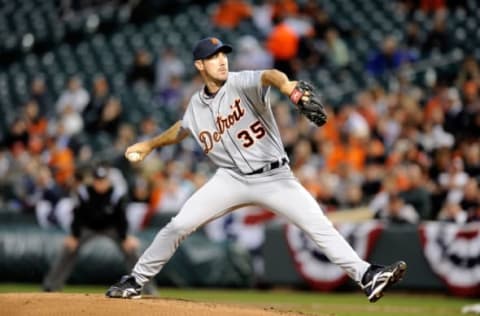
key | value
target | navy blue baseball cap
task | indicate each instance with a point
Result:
(208, 46)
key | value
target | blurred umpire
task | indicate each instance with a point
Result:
(99, 210)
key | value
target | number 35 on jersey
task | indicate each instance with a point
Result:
(223, 123)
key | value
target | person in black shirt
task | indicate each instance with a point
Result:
(99, 210)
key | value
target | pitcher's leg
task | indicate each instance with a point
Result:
(293, 201)
(131, 255)
(218, 196)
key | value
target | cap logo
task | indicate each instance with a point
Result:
(214, 41)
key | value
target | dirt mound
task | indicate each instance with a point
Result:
(61, 304)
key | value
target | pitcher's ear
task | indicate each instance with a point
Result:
(199, 64)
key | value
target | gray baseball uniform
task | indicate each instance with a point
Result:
(237, 130)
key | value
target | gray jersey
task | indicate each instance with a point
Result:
(236, 127)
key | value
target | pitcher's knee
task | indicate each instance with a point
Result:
(181, 229)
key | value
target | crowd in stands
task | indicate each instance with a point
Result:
(409, 152)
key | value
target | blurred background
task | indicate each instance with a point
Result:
(82, 80)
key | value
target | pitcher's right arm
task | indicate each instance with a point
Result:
(175, 134)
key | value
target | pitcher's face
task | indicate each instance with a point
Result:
(215, 66)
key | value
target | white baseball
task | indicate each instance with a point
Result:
(133, 156)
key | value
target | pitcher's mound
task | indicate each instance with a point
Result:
(61, 304)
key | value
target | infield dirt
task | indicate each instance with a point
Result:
(62, 304)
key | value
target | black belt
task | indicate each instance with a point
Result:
(270, 166)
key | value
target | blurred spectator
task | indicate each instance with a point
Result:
(282, 8)
(406, 7)
(372, 181)
(353, 123)
(468, 116)
(309, 178)
(438, 39)
(74, 99)
(452, 109)
(36, 126)
(432, 5)
(302, 25)
(453, 212)
(413, 40)
(46, 197)
(440, 162)
(71, 120)
(17, 137)
(35, 119)
(39, 93)
(251, 55)
(142, 70)
(322, 23)
(167, 66)
(469, 72)
(21, 183)
(433, 135)
(352, 197)
(454, 179)
(347, 190)
(262, 16)
(427, 6)
(388, 188)
(366, 107)
(100, 95)
(177, 188)
(303, 156)
(109, 119)
(475, 216)
(390, 125)
(389, 58)
(327, 182)
(375, 151)
(337, 50)
(125, 137)
(230, 13)
(170, 98)
(148, 128)
(70, 106)
(437, 101)
(396, 211)
(282, 43)
(471, 154)
(470, 199)
(417, 194)
(64, 139)
(347, 151)
(188, 89)
(61, 160)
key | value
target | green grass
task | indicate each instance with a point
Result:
(310, 303)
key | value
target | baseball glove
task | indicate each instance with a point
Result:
(307, 99)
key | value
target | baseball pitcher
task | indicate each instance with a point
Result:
(231, 119)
